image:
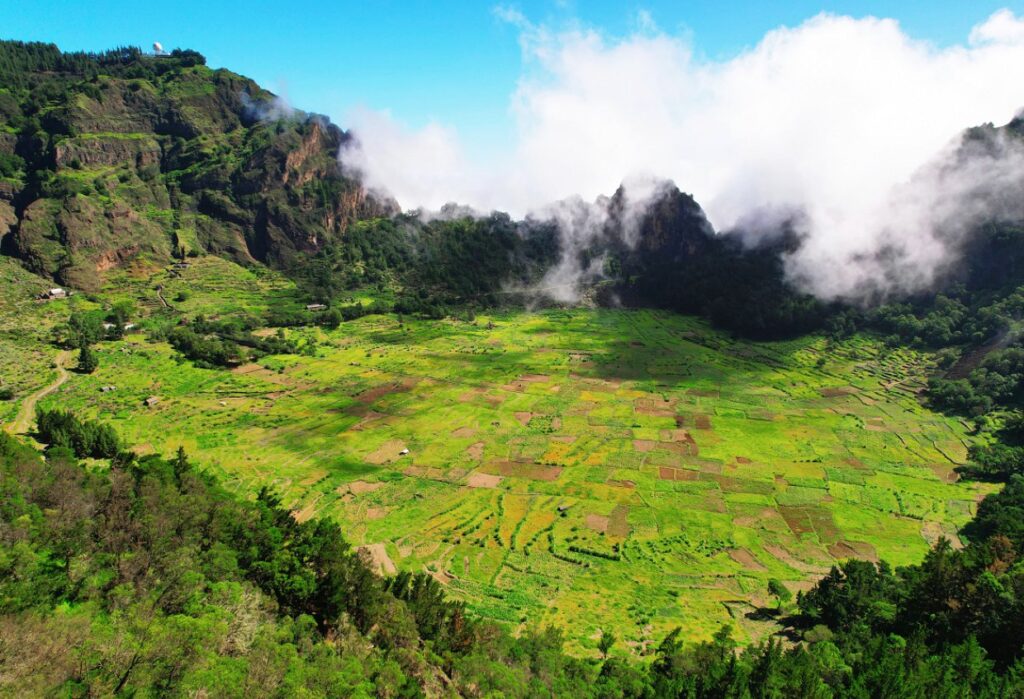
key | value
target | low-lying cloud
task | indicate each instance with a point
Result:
(847, 120)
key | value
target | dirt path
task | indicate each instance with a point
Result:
(160, 295)
(27, 414)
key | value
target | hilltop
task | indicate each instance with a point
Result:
(113, 158)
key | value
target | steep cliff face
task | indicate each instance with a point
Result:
(120, 157)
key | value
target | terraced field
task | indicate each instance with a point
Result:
(623, 470)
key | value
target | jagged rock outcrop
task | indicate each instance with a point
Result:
(150, 157)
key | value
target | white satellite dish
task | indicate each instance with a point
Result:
(158, 47)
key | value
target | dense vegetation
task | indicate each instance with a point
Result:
(145, 576)
(106, 158)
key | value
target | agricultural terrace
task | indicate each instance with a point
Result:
(598, 470)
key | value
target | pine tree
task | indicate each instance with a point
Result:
(87, 361)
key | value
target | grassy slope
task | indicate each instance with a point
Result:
(703, 465)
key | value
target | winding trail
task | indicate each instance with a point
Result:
(27, 413)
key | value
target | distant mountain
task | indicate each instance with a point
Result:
(121, 157)
(115, 157)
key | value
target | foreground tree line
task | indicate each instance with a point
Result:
(143, 576)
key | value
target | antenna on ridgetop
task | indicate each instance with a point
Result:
(158, 48)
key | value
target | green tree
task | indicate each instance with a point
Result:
(87, 361)
(780, 592)
(605, 643)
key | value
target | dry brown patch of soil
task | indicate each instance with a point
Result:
(372, 395)
(537, 472)
(618, 524)
(535, 378)
(599, 523)
(483, 480)
(746, 559)
(667, 473)
(475, 451)
(463, 432)
(369, 417)
(376, 556)
(685, 446)
(622, 484)
(797, 519)
(654, 407)
(944, 472)
(743, 460)
(386, 452)
(838, 391)
(853, 549)
(789, 559)
(524, 418)
(933, 531)
(360, 487)
(644, 445)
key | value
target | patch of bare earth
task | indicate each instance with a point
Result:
(463, 432)
(746, 559)
(524, 418)
(853, 549)
(359, 487)
(599, 523)
(933, 531)
(838, 391)
(483, 480)
(537, 472)
(945, 472)
(618, 524)
(667, 473)
(789, 559)
(386, 452)
(376, 556)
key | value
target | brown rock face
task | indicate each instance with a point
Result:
(107, 151)
(155, 167)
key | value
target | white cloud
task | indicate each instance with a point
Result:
(832, 117)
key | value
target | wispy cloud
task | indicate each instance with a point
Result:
(833, 118)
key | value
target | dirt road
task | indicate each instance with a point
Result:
(27, 414)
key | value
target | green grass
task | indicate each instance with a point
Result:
(623, 470)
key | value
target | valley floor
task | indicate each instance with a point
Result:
(625, 471)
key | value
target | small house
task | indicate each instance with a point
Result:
(108, 326)
(54, 293)
(151, 401)
(403, 452)
(316, 307)
(129, 326)
(107, 389)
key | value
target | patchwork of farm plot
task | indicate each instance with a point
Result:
(617, 470)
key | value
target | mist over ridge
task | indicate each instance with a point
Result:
(847, 131)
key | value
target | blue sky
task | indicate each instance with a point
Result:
(449, 61)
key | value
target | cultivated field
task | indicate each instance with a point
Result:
(598, 470)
